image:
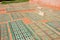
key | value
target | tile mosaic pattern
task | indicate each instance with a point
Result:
(18, 25)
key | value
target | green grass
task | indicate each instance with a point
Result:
(13, 1)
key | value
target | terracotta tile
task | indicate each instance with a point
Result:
(44, 21)
(27, 21)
